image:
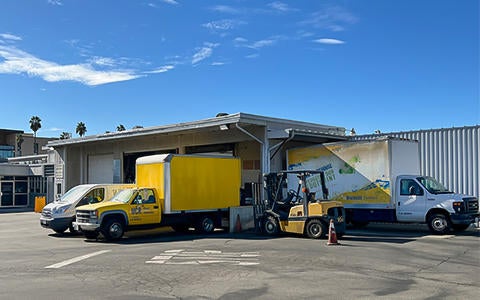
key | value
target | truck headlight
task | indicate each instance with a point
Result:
(458, 207)
(93, 214)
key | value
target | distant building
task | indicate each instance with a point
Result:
(15, 143)
(22, 174)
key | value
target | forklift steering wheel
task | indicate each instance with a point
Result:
(294, 197)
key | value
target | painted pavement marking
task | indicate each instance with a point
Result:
(183, 257)
(75, 259)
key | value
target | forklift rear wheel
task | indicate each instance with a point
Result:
(315, 229)
(270, 226)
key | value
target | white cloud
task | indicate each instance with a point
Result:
(334, 18)
(262, 43)
(203, 52)
(242, 42)
(55, 2)
(217, 63)
(19, 62)
(225, 9)
(281, 7)
(222, 25)
(255, 55)
(162, 69)
(329, 41)
(172, 2)
(8, 36)
(103, 61)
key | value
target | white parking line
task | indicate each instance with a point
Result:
(75, 259)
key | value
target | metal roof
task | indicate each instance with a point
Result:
(303, 128)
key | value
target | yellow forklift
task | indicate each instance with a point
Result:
(297, 210)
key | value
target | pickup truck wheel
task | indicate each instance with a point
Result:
(112, 229)
(270, 225)
(439, 223)
(90, 235)
(315, 229)
(205, 225)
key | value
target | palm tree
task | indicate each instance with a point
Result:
(19, 140)
(81, 129)
(120, 127)
(65, 135)
(35, 124)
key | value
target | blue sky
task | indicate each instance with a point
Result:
(387, 65)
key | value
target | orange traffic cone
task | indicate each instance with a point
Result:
(238, 224)
(332, 235)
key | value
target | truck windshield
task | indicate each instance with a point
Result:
(124, 196)
(74, 194)
(433, 186)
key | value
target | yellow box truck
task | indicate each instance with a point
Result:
(181, 191)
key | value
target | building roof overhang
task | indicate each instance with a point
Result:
(301, 129)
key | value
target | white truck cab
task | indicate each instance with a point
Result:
(424, 199)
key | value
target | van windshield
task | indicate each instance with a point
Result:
(124, 196)
(74, 194)
(433, 186)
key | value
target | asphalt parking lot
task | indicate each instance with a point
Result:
(380, 261)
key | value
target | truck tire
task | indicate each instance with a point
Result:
(205, 225)
(270, 225)
(439, 223)
(112, 229)
(90, 235)
(315, 229)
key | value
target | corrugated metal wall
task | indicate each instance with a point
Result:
(448, 154)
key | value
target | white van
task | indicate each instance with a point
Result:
(60, 214)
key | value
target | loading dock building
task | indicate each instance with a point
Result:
(259, 141)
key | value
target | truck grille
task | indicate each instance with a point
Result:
(471, 204)
(83, 216)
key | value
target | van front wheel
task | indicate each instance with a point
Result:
(439, 223)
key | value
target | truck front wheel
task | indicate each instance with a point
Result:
(112, 229)
(439, 223)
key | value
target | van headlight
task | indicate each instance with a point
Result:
(61, 209)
